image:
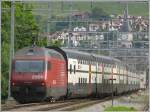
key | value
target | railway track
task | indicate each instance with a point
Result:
(146, 108)
(13, 106)
(59, 106)
(42, 106)
(85, 104)
(67, 105)
(73, 104)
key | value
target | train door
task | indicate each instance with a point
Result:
(90, 85)
(72, 78)
(96, 78)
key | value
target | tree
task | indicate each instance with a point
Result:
(42, 41)
(56, 43)
(99, 13)
(25, 30)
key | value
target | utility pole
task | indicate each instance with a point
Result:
(62, 5)
(112, 89)
(70, 24)
(149, 53)
(96, 74)
(11, 46)
(0, 40)
(91, 4)
(48, 21)
(112, 86)
(0, 37)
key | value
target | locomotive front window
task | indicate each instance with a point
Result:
(29, 66)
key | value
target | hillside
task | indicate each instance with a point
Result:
(110, 7)
(62, 8)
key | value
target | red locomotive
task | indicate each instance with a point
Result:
(38, 73)
(51, 73)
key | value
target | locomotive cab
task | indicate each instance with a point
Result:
(28, 75)
(38, 74)
(28, 71)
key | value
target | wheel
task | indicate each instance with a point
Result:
(53, 100)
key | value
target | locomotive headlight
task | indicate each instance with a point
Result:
(13, 83)
(42, 83)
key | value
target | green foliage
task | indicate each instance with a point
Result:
(120, 108)
(110, 7)
(41, 42)
(61, 25)
(25, 27)
(5, 69)
(25, 31)
(99, 13)
(56, 43)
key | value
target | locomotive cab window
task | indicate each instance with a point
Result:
(29, 66)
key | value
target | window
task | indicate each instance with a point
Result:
(92, 62)
(105, 81)
(74, 69)
(29, 66)
(108, 65)
(70, 68)
(79, 61)
(79, 80)
(85, 80)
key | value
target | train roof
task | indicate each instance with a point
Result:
(38, 51)
(84, 55)
(41, 51)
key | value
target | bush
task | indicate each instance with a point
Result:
(120, 108)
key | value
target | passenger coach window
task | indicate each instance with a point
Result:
(81, 80)
(70, 68)
(74, 69)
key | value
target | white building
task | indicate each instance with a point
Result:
(126, 40)
(143, 80)
(79, 28)
(93, 27)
